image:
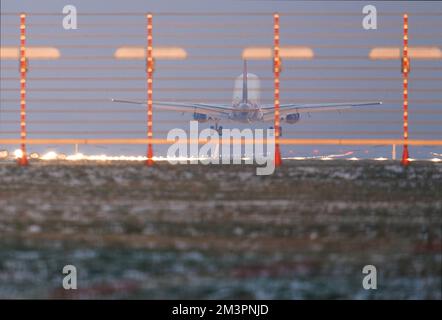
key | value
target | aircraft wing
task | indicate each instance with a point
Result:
(215, 110)
(286, 109)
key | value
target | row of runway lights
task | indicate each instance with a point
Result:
(52, 155)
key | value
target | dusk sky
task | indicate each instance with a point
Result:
(70, 97)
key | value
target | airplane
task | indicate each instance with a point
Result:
(246, 110)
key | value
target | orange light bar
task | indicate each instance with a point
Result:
(387, 53)
(283, 141)
(286, 52)
(37, 53)
(164, 53)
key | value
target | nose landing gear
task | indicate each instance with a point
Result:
(217, 128)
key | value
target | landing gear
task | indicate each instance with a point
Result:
(217, 128)
(280, 130)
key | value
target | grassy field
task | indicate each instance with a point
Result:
(194, 231)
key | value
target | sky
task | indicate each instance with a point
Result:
(70, 97)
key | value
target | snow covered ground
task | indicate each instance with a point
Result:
(194, 231)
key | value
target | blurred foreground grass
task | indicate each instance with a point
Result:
(194, 231)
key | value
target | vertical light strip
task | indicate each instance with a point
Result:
(23, 161)
(276, 72)
(405, 71)
(149, 67)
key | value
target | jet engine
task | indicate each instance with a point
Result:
(200, 117)
(292, 118)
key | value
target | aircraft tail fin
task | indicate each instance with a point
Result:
(244, 83)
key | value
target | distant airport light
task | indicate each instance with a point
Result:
(18, 153)
(4, 154)
(61, 156)
(51, 155)
(285, 52)
(38, 53)
(163, 53)
(34, 155)
(386, 53)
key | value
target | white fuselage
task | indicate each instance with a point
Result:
(246, 112)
